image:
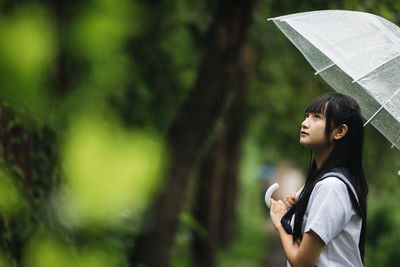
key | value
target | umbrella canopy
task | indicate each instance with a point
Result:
(356, 53)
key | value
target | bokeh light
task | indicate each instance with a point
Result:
(102, 28)
(26, 55)
(110, 173)
(10, 197)
(3, 261)
(47, 251)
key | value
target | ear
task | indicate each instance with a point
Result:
(339, 132)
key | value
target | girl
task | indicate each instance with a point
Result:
(330, 215)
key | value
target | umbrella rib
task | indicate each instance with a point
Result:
(305, 14)
(380, 109)
(394, 143)
(376, 67)
(324, 68)
(286, 19)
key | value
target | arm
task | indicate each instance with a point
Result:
(304, 254)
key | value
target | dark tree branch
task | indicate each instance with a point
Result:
(193, 125)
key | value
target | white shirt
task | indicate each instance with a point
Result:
(331, 216)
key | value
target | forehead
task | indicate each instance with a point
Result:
(318, 105)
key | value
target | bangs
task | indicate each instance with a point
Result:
(319, 105)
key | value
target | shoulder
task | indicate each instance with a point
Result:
(331, 184)
(331, 189)
(329, 209)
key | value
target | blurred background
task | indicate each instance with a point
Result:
(145, 133)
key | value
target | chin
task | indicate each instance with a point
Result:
(305, 144)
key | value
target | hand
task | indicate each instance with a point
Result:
(277, 210)
(290, 200)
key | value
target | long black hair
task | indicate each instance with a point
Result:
(347, 153)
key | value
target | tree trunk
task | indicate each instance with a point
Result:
(207, 207)
(215, 202)
(193, 125)
(236, 126)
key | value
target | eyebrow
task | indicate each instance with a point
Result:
(319, 113)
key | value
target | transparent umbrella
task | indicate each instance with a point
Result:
(356, 53)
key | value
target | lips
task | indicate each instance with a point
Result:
(303, 133)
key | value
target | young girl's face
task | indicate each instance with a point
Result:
(312, 133)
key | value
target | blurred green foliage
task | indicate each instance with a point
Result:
(130, 65)
(27, 53)
(10, 197)
(47, 251)
(125, 168)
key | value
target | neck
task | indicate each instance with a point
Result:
(321, 155)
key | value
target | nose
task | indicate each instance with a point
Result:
(305, 124)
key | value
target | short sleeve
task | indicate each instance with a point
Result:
(330, 209)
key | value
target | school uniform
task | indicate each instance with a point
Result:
(331, 215)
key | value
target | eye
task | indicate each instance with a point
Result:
(306, 115)
(317, 116)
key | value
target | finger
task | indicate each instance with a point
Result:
(275, 203)
(289, 197)
(280, 202)
(287, 203)
(291, 201)
(272, 202)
